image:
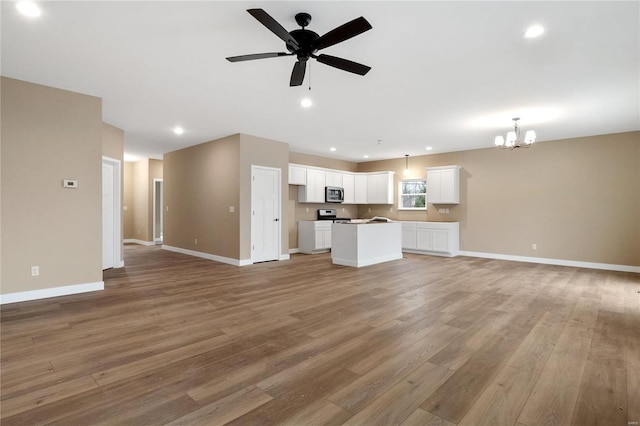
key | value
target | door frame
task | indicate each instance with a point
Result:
(253, 227)
(118, 262)
(153, 235)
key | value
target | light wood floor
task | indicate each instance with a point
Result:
(179, 340)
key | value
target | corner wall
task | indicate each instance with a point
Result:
(113, 147)
(49, 135)
(200, 183)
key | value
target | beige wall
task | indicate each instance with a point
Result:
(255, 151)
(141, 229)
(326, 162)
(306, 211)
(127, 201)
(49, 135)
(155, 172)
(577, 199)
(113, 147)
(200, 183)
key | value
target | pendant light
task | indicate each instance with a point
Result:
(513, 138)
(406, 164)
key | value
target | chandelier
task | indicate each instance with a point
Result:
(513, 140)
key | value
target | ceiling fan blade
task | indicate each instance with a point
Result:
(343, 32)
(297, 75)
(343, 64)
(257, 56)
(273, 26)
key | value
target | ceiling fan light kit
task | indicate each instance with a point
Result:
(304, 44)
(513, 140)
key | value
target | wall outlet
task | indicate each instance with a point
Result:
(167, 208)
(534, 246)
(195, 241)
(307, 209)
(35, 271)
(232, 209)
(125, 208)
(369, 209)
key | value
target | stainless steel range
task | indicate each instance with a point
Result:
(331, 214)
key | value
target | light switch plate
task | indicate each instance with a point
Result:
(68, 183)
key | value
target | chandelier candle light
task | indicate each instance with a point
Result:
(513, 138)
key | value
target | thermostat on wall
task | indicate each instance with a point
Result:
(67, 183)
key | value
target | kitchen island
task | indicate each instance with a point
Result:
(362, 244)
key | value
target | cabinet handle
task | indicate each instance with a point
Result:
(276, 219)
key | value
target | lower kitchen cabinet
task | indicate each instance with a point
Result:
(314, 236)
(437, 238)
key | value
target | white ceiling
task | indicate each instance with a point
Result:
(450, 75)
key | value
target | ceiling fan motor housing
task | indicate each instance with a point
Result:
(305, 39)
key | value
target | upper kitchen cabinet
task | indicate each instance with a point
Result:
(360, 188)
(443, 185)
(313, 191)
(348, 183)
(333, 179)
(297, 175)
(380, 188)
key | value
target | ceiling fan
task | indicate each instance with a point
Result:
(305, 43)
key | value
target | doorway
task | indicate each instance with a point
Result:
(111, 217)
(265, 213)
(158, 215)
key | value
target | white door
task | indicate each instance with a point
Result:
(108, 220)
(265, 213)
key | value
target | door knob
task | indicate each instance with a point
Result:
(276, 219)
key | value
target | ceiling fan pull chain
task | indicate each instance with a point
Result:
(309, 76)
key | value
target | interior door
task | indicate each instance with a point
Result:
(265, 213)
(108, 220)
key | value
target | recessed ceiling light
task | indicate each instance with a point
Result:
(534, 31)
(428, 148)
(365, 156)
(28, 8)
(178, 130)
(306, 103)
(332, 149)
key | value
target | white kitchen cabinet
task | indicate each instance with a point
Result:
(314, 236)
(297, 175)
(437, 238)
(380, 188)
(409, 235)
(360, 188)
(313, 191)
(333, 179)
(443, 185)
(348, 183)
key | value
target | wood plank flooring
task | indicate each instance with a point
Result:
(179, 340)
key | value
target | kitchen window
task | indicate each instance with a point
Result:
(412, 194)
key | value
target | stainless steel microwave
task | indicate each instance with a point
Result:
(333, 194)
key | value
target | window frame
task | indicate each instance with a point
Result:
(401, 194)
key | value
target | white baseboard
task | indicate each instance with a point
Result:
(141, 242)
(284, 257)
(222, 259)
(119, 264)
(45, 293)
(294, 250)
(559, 262)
